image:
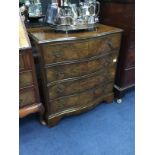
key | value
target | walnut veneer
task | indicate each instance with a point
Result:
(77, 69)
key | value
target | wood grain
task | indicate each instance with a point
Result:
(77, 70)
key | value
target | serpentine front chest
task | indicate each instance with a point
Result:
(77, 70)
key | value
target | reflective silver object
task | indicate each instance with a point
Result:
(88, 10)
(52, 13)
(85, 15)
(66, 15)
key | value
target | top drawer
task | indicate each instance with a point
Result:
(71, 51)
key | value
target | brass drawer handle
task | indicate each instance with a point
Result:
(58, 54)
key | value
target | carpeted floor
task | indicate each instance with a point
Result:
(106, 130)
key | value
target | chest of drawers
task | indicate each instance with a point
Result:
(77, 70)
(29, 99)
(121, 13)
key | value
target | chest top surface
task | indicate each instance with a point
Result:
(24, 42)
(47, 35)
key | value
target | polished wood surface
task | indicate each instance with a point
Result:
(47, 35)
(69, 87)
(23, 112)
(25, 79)
(121, 13)
(29, 100)
(77, 71)
(80, 50)
(79, 100)
(23, 38)
(80, 68)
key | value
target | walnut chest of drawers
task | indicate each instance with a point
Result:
(77, 70)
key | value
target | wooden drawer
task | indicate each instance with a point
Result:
(60, 72)
(65, 52)
(79, 100)
(25, 79)
(26, 97)
(80, 84)
(102, 45)
(80, 50)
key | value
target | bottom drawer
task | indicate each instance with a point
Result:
(26, 97)
(79, 100)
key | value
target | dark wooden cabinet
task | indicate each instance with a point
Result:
(29, 100)
(121, 13)
(77, 70)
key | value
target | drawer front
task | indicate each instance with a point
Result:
(25, 79)
(102, 45)
(76, 51)
(60, 72)
(65, 52)
(26, 97)
(79, 100)
(75, 86)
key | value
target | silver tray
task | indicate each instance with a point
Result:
(66, 28)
